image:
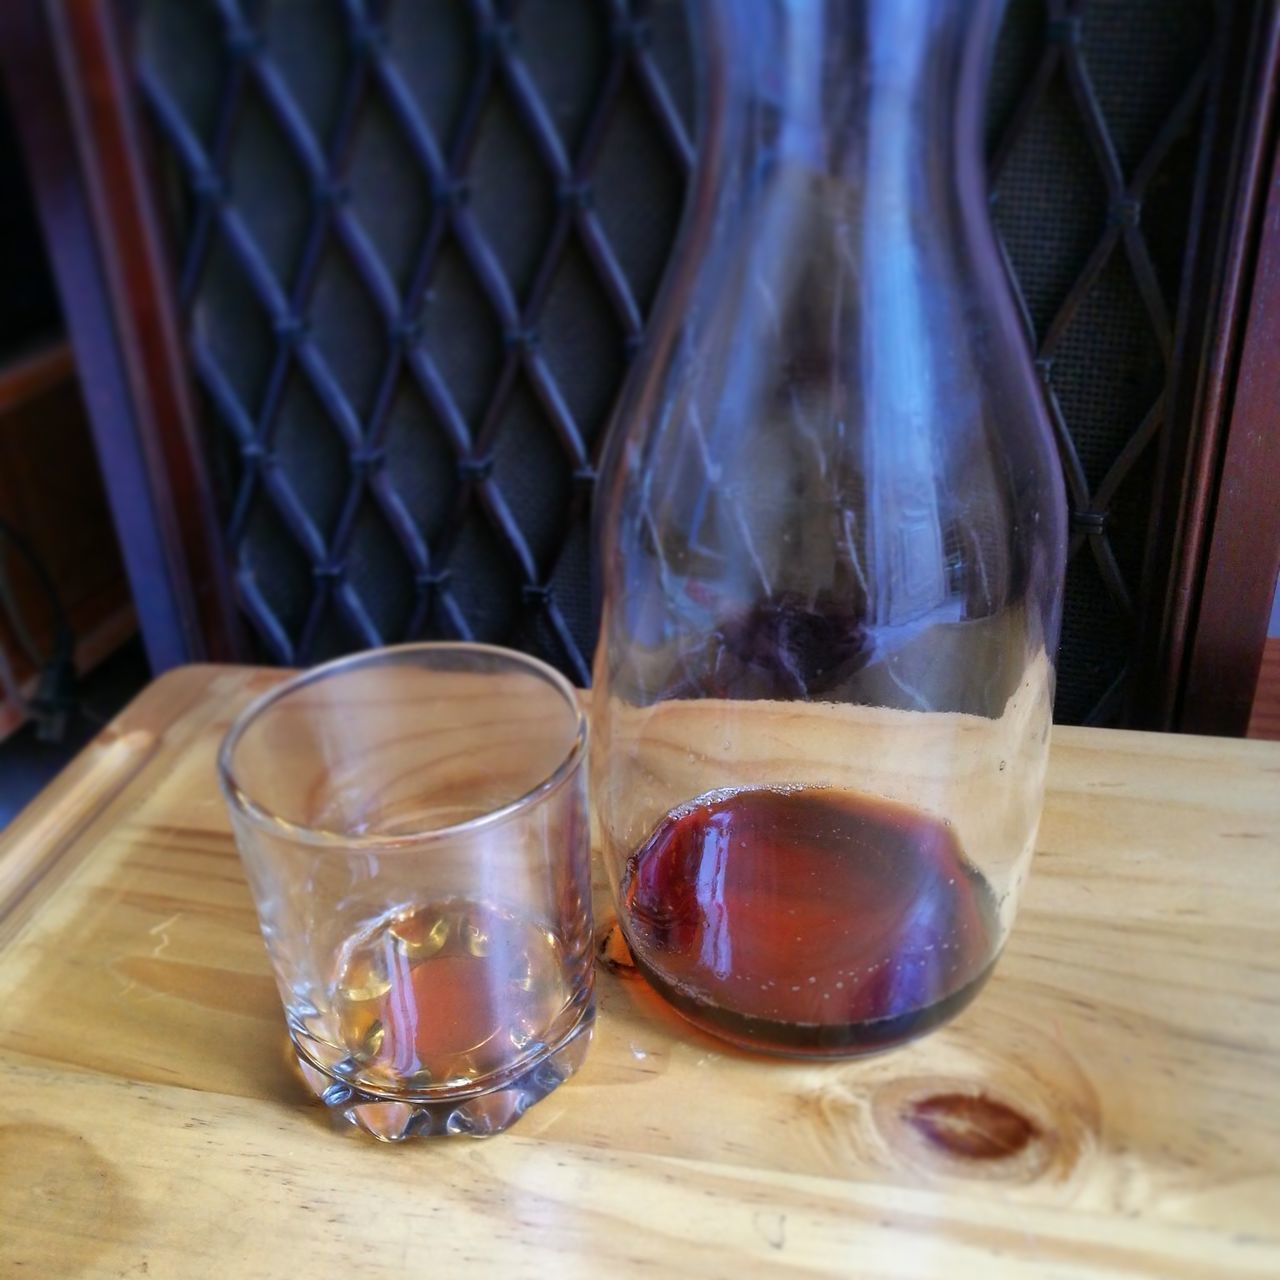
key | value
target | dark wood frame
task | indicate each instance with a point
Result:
(1243, 528)
(1216, 529)
(1203, 633)
(74, 107)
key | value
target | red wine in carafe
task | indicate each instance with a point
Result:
(809, 920)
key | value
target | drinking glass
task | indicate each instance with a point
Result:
(413, 825)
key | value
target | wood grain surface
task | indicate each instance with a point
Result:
(1110, 1106)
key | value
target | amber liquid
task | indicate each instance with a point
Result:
(445, 994)
(808, 920)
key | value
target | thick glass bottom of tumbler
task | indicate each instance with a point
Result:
(485, 1108)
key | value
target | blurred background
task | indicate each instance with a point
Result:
(314, 312)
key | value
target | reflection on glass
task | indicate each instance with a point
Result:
(833, 545)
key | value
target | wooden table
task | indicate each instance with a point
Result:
(1109, 1106)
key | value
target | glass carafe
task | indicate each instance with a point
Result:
(832, 535)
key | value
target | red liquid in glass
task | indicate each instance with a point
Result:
(809, 920)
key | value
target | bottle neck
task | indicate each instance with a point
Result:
(862, 91)
(845, 248)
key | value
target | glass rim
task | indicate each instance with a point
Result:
(239, 799)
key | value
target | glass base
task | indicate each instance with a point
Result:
(479, 1112)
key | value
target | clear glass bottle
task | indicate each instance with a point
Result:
(832, 533)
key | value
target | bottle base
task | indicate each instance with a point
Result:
(813, 1040)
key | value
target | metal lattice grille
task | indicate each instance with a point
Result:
(419, 240)
(1094, 114)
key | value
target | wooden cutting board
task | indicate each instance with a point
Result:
(1109, 1106)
